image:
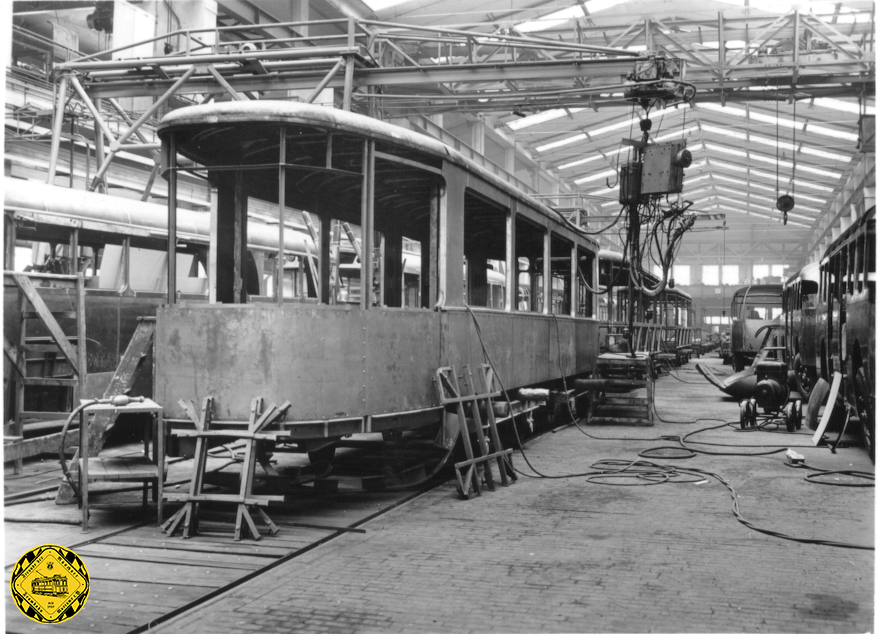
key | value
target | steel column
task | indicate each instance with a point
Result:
(57, 124)
(367, 224)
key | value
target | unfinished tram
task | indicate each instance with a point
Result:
(347, 367)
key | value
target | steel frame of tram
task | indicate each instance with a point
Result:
(370, 367)
(663, 325)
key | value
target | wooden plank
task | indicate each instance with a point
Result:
(164, 595)
(173, 556)
(33, 296)
(228, 498)
(12, 353)
(33, 447)
(35, 380)
(198, 545)
(149, 572)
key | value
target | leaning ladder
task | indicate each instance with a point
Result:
(57, 346)
(453, 398)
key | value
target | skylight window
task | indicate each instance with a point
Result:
(786, 123)
(541, 117)
(689, 181)
(765, 141)
(767, 175)
(594, 177)
(844, 106)
(559, 18)
(767, 159)
(581, 137)
(586, 160)
(378, 5)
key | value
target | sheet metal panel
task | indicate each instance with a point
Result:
(401, 356)
(305, 355)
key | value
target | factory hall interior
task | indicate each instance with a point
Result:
(415, 316)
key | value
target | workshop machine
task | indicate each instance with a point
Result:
(772, 393)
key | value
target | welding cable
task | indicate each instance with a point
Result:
(821, 473)
(649, 468)
(520, 447)
(63, 444)
(648, 453)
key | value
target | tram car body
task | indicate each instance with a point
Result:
(54, 586)
(800, 297)
(846, 319)
(752, 308)
(368, 367)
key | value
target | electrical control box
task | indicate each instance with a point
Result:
(663, 165)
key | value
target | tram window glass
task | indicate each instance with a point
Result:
(561, 253)
(484, 240)
(344, 276)
(411, 272)
(585, 279)
(529, 259)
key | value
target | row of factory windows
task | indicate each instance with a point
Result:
(730, 274)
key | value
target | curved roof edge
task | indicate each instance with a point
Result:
(292, 111)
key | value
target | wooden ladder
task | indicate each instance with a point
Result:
(254, 433)
(451, 396)
(56, 347)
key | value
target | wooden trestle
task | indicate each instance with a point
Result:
(254, 433)
(453, 398)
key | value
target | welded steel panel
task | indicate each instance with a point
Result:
(305, 355)
(401, 356)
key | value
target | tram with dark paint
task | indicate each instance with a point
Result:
(800, 297)
(367, 367)
(846, 319)
(752, 308)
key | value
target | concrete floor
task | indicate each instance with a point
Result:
(570, 555)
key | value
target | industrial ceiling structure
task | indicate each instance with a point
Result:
(538, 92)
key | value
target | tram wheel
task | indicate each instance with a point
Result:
(805, 378)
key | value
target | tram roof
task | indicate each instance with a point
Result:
(273, 111)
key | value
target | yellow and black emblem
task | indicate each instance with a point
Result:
(49, 584)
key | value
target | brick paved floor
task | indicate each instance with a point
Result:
(567, 555)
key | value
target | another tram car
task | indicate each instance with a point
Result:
(663, 324)
(120, 247)
(800, 296)
(846, 319)
(367, 367)
(752, 308)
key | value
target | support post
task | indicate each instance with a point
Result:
(281, 205)
(57, 124)
(367, 223)
(172, 220)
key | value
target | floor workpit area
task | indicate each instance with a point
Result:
(543, 555)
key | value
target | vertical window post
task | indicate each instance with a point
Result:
(281, 205)
(367, 223)
(172, 220)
